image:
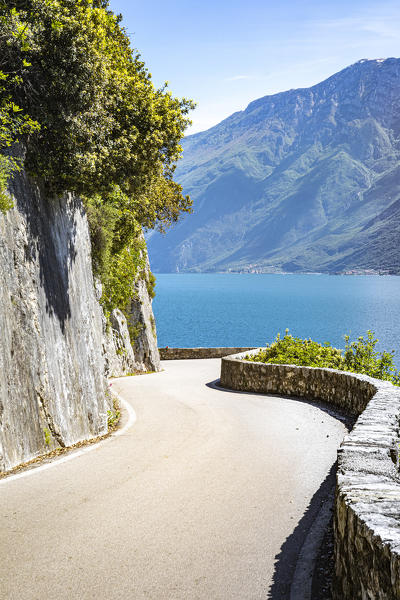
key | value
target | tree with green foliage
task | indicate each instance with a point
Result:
(361, 356)
(13, 122)
(91, 121)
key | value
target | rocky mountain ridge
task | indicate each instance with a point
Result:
(304, 180)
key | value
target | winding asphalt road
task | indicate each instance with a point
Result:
(205, 497)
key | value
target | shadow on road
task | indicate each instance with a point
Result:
(288, 557)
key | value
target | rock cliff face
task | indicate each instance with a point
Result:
(52, 386)
(143, 325)
(131, 345)
(55, 349)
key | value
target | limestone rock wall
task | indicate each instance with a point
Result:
(118, 352)
(142, 325)
(52, 385)
(130, 345)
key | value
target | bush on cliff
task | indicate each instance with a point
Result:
(14, 123)
(68, 64)
(359, 356)
(91, 121)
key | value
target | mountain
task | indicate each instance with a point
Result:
(304, 180)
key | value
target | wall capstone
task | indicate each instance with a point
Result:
(189, 353)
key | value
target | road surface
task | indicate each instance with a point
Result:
(207, 496)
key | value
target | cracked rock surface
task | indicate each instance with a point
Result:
(52, 385)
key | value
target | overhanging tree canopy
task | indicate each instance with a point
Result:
(69, 66)
(91, 121)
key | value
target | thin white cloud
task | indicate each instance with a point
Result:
(383, 27)
(239, 77)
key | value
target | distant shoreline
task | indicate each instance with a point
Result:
(355, 272)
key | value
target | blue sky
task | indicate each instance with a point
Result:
(224, 54)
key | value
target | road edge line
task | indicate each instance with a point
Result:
(132, 418)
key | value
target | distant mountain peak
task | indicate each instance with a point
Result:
(299, 180)
(376, 60)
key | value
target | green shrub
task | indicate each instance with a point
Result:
(358, 356)
(151, 284)
(5, 172)
(14, 123)
(113, 419)
(118, 249)
(135, 330)
(47, 436)
(295, 351)
(113, 415)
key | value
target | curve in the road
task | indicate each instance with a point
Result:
(34, 469)
(197, 501)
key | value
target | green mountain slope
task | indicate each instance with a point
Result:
(305, 180)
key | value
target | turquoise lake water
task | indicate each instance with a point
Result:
(249, 309)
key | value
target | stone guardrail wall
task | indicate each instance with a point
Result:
(367, 503)
(186, 353)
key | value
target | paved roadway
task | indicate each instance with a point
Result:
(205, 497)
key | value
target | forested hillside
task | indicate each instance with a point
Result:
(305, 180)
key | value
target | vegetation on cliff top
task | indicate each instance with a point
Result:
(359, 356)
(91, 121)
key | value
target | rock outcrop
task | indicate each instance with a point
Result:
(118, 351)
(143, 325)
(130, 344)
(52, 385)
(56, 348)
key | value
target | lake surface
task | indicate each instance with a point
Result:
(250, 309)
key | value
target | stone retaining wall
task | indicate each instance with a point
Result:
(367, 503)
(187, 353)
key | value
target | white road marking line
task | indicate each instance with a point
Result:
(57, 461)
